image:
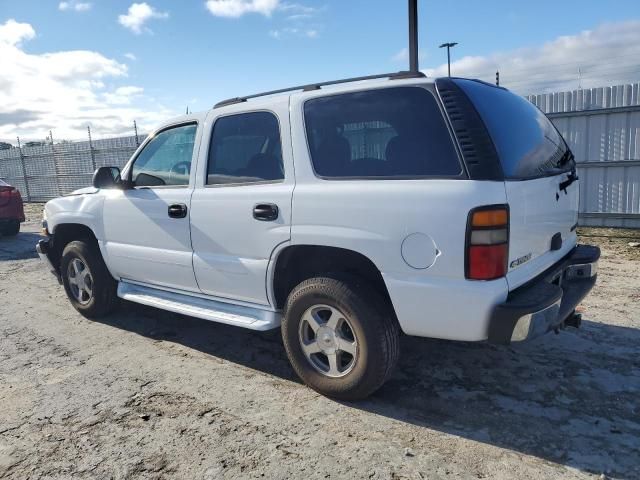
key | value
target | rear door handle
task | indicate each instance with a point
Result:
(177, 210)
(265, 212)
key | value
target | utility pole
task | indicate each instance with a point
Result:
(449, 46)
(24, 171)
(135, 129)
(55, 163)
(579, 78)
(413, 36)
(93, 156)
(497, 78)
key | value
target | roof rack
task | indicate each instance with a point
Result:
(317, 86)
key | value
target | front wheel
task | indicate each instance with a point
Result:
(340, 336)
(89, 285)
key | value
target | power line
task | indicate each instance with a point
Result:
(633, 73)
(586, 63)
(602, 73)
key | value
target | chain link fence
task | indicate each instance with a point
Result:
(47, 171)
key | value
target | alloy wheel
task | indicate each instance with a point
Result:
(328, 341)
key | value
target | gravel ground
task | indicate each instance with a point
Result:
(149, 394)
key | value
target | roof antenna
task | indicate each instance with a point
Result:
(413, 36)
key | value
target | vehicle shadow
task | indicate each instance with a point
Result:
(20, 247)
(571, 399)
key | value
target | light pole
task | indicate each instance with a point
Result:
(413, 36)
(449, 46)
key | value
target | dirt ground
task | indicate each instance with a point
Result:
(149, 394)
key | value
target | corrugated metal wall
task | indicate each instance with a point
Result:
(602, 126)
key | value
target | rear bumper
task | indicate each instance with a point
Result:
(548, 301)
(6, 220)
(42, 247)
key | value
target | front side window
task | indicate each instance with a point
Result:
(391, 132)
(245, 148)
(166, 159)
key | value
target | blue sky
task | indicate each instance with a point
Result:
(155, 60)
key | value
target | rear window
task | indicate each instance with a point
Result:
(391, 132)
(527, 143)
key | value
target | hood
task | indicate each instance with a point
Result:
(83, 191)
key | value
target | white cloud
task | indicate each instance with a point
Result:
(401, 56)
(122, 95)
(74, 5)
(297, 9)
(13, 33)
(238, 8)
(606, 55)
(65, 91)
(139, 14)
(298, 32)
(298, 16)
(131, 56)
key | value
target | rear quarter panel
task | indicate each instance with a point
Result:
(374, 217)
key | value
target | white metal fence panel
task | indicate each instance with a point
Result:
(602, 127)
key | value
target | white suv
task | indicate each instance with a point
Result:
(344, 212)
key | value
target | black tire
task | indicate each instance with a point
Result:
(103, 287)
(11, 228)
(371, 321)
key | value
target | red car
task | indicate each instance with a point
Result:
(11, 210)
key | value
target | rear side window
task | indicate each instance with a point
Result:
(391, 132)
(527, 143)
(245, 148)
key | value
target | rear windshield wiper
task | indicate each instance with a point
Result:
(573, 175)
(566, 158)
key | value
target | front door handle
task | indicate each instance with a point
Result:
(178, 210)
(265, 212)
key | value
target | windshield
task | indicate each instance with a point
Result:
(528, 144)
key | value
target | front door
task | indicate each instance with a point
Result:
(147, 226)
(241, 209)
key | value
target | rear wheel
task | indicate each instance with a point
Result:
(341, 338)
(89, 285)
(11, 228)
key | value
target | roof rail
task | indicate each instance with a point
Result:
(317, 86)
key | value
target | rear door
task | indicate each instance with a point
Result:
(540, 183)
(241, 207)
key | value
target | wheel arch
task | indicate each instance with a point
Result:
(296, 263)
(63, 234)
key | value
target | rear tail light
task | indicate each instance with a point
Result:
(9, 195)
(6, 193)
(487, 243)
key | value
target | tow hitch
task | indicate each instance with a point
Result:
(574, 320)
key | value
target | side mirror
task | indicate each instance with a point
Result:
(106, 177)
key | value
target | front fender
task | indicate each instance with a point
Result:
(83, 210)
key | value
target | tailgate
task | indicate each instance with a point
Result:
(539, 177)
(539, 211)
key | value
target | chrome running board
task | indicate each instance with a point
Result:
(213, 310)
